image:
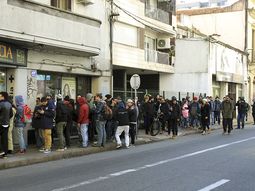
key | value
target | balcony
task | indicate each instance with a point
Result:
(156, 56)
(30, 23)
(135, 58)
(159, 15)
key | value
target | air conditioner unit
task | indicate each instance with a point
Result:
(163, 43)
(85, 2)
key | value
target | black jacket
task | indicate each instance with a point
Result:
(5, 112)
(175, 111)
(132, 113)
(122, 116)
(61, 112)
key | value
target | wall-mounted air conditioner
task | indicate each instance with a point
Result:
(85, 2)
(163, 43)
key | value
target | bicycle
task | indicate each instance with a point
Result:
(155, 126)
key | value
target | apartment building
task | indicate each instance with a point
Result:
(142, 43)
(51, 47)
(216, 22)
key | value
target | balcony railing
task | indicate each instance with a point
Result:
(156, 56)
(158, 14)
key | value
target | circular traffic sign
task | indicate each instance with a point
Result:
(135, 81)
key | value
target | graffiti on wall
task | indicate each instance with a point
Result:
(31, 87)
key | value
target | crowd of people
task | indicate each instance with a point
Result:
(196, 113)
(100, 119)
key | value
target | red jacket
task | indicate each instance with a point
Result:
(83, 117)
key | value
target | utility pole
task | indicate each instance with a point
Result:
(111, 47)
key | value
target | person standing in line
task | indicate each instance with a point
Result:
(10, 131)
(148, 112)
(205, 116)
(83, 120)
(217, 105)
(36, 124)
(69, 123)
(92, 123)
(227, 113)
(132, 113)
(253, 111)
(61, 120)
(20, 123)
(47, 112)
(185, 113)
(5, 115)
(242, 109)
(123, 125)
(100, 121)
(175, 116)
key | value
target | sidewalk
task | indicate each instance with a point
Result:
(33, 156)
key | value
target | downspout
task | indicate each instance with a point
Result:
(111, 46)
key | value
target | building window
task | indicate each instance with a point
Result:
(62, 4)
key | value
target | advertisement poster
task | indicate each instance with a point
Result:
(69, 87)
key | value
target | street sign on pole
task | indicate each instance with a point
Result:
(135, 81)
(135, 84)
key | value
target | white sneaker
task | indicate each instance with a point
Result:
(60, 150)
(118, 146)
(47, 151)
(203, 133)
(42, 149)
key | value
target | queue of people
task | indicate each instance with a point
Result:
(100, 120)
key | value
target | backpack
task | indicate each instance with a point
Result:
(107, 112)
(194, 108)
(27, 114)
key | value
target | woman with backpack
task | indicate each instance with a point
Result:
(20, 123)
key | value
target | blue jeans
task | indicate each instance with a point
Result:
(240, 119)
(84, 134)
(22, 144)
(101, 134)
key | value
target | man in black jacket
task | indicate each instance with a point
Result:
(175, 115)
(61, 120)
(123, 125)
(5, 115)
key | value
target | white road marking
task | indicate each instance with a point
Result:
(116, 174)
(215, 185)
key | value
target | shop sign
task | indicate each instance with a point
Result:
(229, 77)
(10, 54)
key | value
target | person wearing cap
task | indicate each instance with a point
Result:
(61, 120)
(175, 116)
(132, 114)
(205, 116)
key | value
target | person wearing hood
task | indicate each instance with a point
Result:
(47, 112)
(19, 122)
(83, 120)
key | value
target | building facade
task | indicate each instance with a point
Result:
(217, 69)
(142, 39)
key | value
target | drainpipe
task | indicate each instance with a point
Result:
(111, 20)
(111, 39)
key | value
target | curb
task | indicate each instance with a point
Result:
(77, 152)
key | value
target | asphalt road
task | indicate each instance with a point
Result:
(190, 163)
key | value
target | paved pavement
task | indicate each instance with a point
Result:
(191, 163)
(33, 156)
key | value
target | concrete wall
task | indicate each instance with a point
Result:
(231, 32)
(36, 23)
